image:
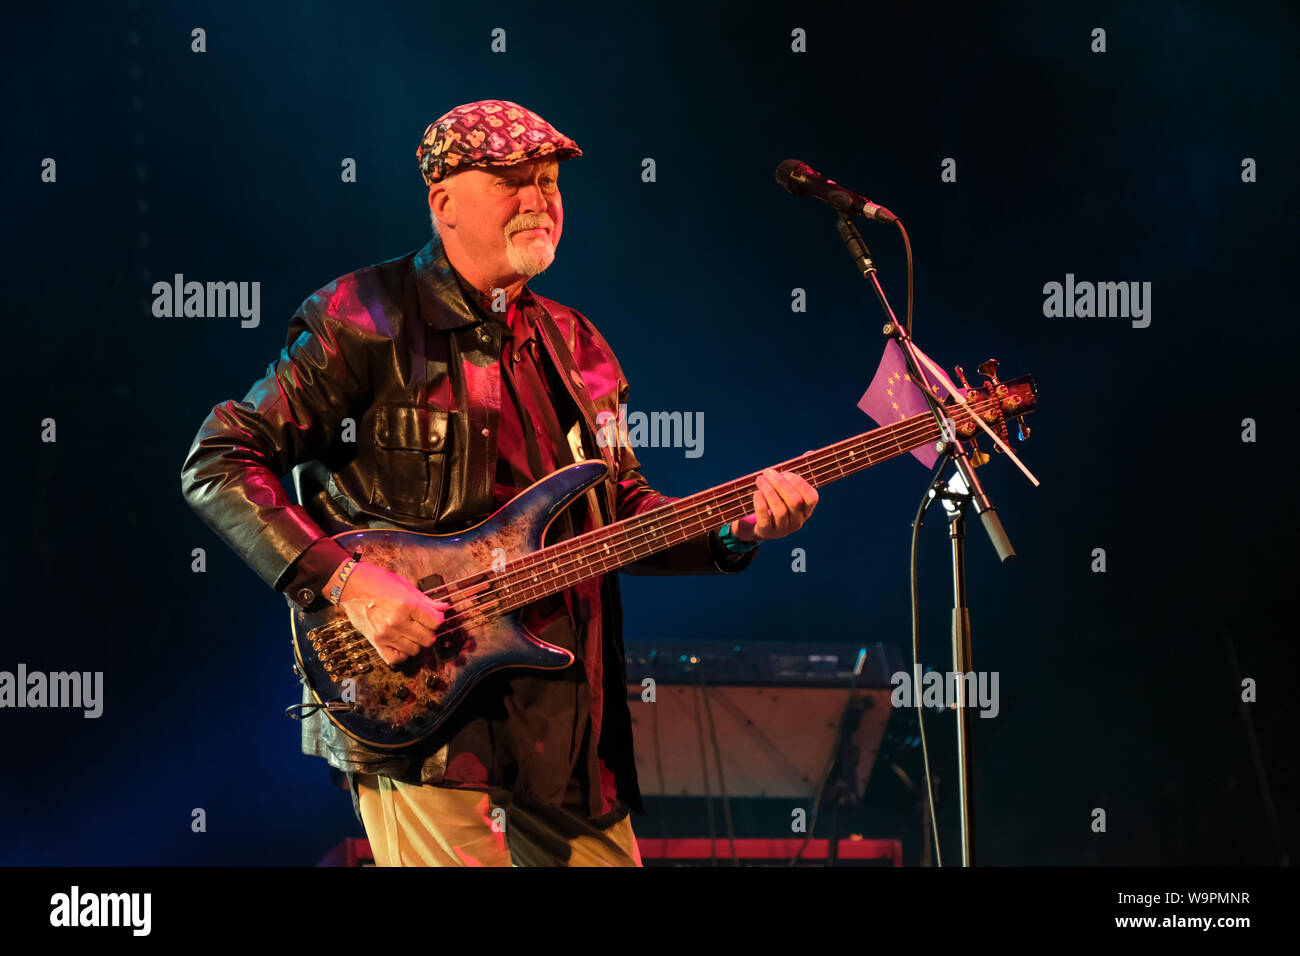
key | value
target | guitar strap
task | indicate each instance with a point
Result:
(571, 375)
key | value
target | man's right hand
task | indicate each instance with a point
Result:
(393, 614)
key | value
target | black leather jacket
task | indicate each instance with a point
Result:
(384, 405)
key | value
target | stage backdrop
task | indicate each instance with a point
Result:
(1033, 153)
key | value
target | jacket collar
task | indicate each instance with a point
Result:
(443, 300)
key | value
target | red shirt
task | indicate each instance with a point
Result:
(546, 744)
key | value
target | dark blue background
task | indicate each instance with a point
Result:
(1115, 687)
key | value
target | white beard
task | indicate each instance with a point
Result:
(532, 257)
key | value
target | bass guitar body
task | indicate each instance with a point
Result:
(394, 706)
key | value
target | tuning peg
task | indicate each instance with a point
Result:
(977, 456)
(1023, 428)
(961, 376)
(989, 369)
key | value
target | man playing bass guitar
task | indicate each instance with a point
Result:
(424, 393)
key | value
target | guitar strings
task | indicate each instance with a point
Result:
(651, 523)
(502, 588)
(468, 609)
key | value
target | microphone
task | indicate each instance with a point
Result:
(802, 180)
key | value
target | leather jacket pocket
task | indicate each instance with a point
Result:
(410, 459)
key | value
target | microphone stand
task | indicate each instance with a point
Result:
(964, 489)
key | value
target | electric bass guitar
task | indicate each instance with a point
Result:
(490, 571)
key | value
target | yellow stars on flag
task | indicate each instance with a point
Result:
(907, 376)
(894, 379)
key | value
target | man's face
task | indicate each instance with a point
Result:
(507, 220)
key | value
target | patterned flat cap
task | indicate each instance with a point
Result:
(488, 133)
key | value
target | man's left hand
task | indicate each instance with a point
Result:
(782, 503)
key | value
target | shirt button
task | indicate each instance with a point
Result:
(486, 432)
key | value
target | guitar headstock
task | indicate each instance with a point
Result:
(994, 401)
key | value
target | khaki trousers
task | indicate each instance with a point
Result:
(414, 825)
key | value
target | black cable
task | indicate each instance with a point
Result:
(907, 246)
(1256, 758)
(717, 759)
(659, 755)
(708, 792)
(926, 501)
(830, 763)
(916, 529)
